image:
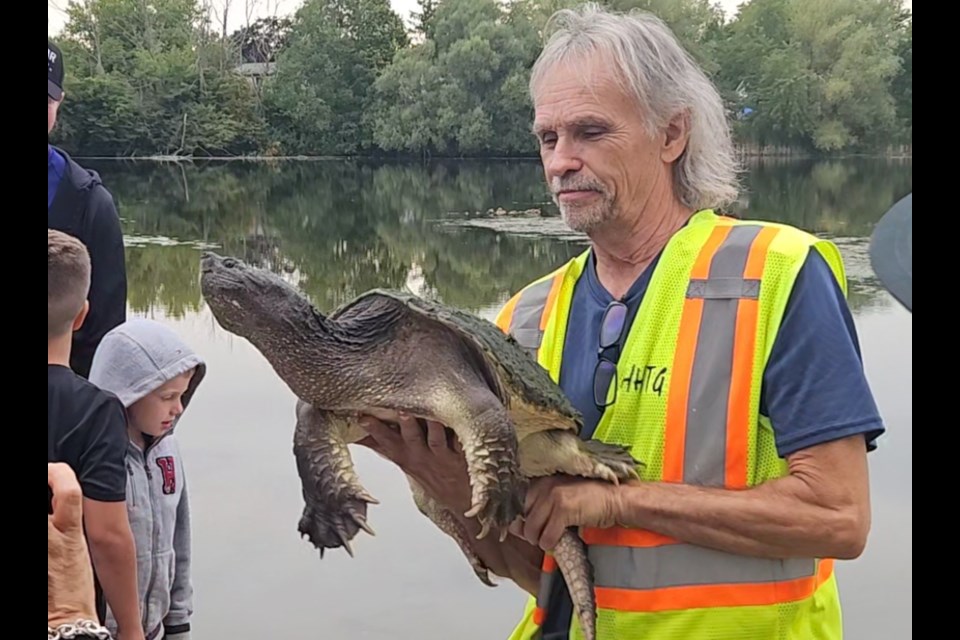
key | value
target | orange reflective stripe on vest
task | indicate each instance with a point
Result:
(705, 444)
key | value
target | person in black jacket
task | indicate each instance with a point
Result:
(79, 204)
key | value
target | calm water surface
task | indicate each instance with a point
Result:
(339, 228)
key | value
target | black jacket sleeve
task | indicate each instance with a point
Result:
(108, 278)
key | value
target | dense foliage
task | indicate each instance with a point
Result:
(346, 77)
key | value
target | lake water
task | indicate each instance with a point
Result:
(340, 228)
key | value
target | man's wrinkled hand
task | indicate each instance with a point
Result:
(556, 502)
(70, 595)
(432, 456)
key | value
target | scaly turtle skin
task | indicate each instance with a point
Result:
(386, 352)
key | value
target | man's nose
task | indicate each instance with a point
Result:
(564, 158)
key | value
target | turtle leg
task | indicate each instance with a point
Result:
(488, 437)
(573, 562)
(447, 522)
(336, 502)
(548, 452)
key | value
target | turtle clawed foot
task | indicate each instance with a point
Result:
(610, 462)
(497, 502)
(335, 524)
(479, 568)
(484, 576)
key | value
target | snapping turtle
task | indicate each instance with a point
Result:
(389, 351)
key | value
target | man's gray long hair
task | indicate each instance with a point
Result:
(665, 81)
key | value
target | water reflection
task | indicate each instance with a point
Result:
(345, 227)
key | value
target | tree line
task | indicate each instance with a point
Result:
(350, 77)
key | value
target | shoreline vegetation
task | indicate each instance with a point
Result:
(163, 80)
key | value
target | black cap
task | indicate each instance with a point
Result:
(891, 251)
(54, 71)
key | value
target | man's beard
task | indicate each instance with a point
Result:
(583, 217)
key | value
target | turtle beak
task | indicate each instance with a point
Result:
(219, 275)
(209, 261)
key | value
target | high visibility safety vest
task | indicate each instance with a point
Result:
(688, 404)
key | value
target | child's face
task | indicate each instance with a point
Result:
(154, 413)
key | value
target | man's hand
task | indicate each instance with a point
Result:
(559, 501)
(70, 595)
(435, 460)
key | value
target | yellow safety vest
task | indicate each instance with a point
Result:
(688, 404)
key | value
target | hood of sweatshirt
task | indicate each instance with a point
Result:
(141, 355)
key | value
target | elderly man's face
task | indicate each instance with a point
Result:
(598, 158)
(52, 107)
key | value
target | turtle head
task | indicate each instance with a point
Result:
(245, 300)
(279, 321)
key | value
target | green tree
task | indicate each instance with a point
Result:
(262, 40)
(462, 91)
(903, 84)
(144, 78)
(817, 73)
(152, 77)
(423, 19)
(336, 48)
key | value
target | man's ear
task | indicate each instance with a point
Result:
(675, 137)
(78, 321)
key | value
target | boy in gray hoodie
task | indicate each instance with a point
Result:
(155, 375)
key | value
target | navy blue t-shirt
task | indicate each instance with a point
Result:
(816, 355)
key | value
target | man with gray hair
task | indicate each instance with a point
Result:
(722, 351)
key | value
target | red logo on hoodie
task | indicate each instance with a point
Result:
(168, 469)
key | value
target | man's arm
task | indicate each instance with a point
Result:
(821, 509)
(177, 623)
(115, 561)
(108, 279)
(70, 592)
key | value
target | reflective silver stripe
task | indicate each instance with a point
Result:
(723, 288)
(705, 445)
(543, 590)
(525, 322)
(679, 565)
